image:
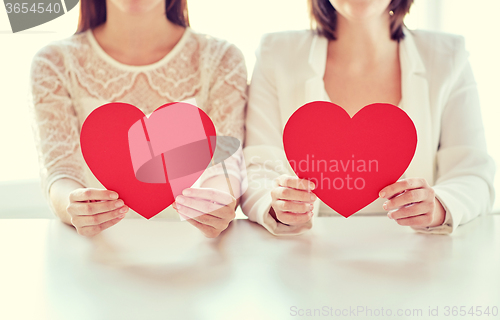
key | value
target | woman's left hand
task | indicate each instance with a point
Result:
(412, 202)
(209, 210)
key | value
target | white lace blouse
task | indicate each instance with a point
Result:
(72, 77)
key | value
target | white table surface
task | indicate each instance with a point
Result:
(143, 269)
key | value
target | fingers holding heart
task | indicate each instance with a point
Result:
(207, 219)
(209, 194)
(209, 210)
(292, 200)
(201, 206)
(94, 210)
(291, 218)
(401, 186)
(284, 193)
(421, 220)
(207, 230)
(406, 198)
(211, 226)
(411, 202)
(294, 182)
(293, 206)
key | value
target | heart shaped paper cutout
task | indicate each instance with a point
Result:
(349, 159)
(147, 161)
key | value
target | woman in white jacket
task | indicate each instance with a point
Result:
(360, 53)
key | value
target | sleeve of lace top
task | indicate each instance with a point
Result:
(226, 107)
(55, 123)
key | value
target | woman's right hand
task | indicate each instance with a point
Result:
(292, 200)
(94, 210)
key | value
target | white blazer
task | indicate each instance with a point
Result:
(438, 92)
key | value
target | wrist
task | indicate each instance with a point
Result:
(439, 214)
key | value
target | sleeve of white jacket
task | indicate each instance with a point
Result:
(264, 154)
(465, 171)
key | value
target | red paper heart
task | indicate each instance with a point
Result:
(321, 141)
(165, 151)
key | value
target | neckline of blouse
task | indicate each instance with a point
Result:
(100, 51)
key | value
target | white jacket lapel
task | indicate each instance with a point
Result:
(314, 87)
(416, 103)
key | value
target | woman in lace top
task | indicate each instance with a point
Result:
(132, 53)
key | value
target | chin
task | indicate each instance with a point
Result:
(357, 10)
(138, 6)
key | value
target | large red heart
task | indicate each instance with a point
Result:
(349, 159)
(147, 161)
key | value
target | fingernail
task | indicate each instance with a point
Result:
(186, 192)
(313, 197)
(179, 199)
(310, 214)
(124, 209)
(389, 215)
(313, 186)
(310, 206)
(113, 195)
(119, 203)
(385, 205)
(121, 216)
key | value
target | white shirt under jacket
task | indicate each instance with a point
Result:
(438, 92)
